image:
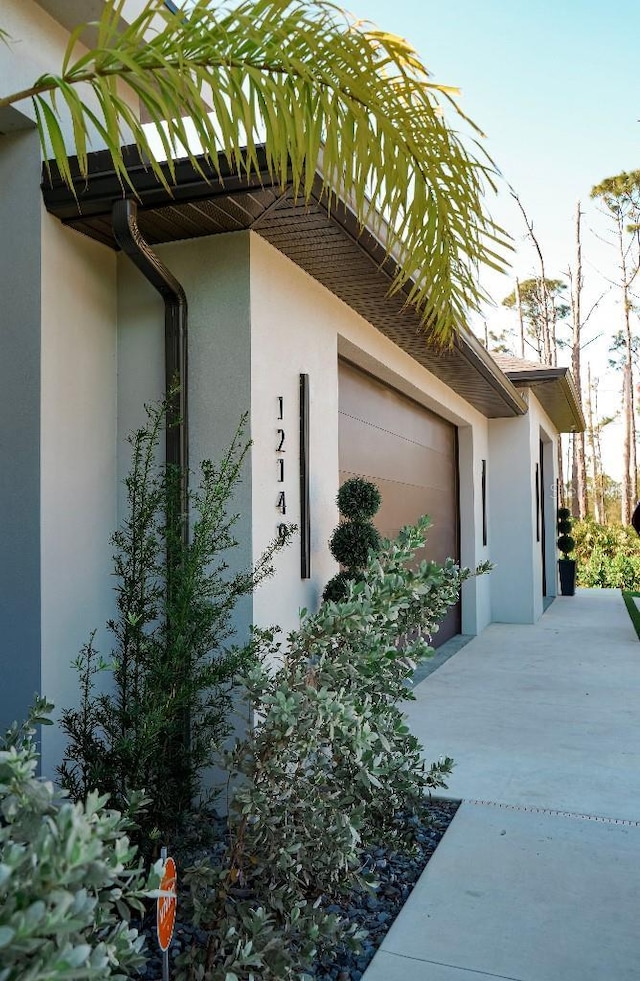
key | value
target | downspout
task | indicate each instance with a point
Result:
(130, 240)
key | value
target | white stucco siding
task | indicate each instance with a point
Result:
(299, 326)
(294, 330)
(78, 460)
(214, 273)
(514, 449)
(544, 431)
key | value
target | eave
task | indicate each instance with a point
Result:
(554, 389)
(323, 240)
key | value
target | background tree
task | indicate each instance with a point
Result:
(579, 320)
(620, 198)
(542, 303)
(602, 489)
(312, 84)
(498, 341)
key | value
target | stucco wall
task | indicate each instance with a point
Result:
(514, 451)
(20, 275)
(299, 326)
(215, 275)
(78, 459)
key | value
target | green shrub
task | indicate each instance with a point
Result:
(329, 766)
(351, 543)
(608, 556)
(172, 667)
(69, 877)
(358, 499)
(355, 537)
(564, 524)
(566, 543)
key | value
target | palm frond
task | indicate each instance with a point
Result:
(316, 87)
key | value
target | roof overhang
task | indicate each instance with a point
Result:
(321, 237)
(556, 392)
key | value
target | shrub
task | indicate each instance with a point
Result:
(565, 542)
(351, 543)
(171, 668)
(355, 537)
(329, 766)
(69, 877)
(358, 499)
(607, 556)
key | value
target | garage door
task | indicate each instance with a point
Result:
(411, 454)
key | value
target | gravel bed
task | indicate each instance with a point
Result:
(396, 871)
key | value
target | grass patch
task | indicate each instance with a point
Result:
(629, 597)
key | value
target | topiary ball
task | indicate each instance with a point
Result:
(566, 544)
(563, 514)
(351, 542)
(358, 499)
(564, 526)
(337, 588)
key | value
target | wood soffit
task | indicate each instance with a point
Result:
(324, 241)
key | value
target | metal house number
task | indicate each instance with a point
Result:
(281, 500)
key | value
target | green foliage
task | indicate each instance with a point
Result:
(543, 302)
(351, 543)
(621, 196)
(69, 877)
(355, 537)
(311, 83)
(330, 765)
(358, 499)
(337, 588)
(565, 542)
(607, 555)
(172, 673)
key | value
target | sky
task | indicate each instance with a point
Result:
(555, 87)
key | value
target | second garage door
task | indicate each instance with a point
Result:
(411, 454)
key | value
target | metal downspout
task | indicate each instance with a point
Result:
(130, 240)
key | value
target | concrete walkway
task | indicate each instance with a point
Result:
(538, 876)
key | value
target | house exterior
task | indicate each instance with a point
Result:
(289, 319)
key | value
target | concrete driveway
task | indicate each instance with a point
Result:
(538, 877)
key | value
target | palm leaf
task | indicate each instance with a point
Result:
(313, 85)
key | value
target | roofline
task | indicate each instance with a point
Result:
(481, 360)
(102, 186)
(531, 377)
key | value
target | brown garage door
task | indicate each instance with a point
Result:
(411, 454)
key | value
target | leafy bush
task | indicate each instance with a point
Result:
(172, 673)
(69, 877)
(607, 556)
(329, 766)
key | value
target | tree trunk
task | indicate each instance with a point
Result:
(520, 317)
(597, 504)
(579, 462)
(627, 499)
(625, 489)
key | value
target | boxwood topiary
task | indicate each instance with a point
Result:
(565, 542)
(351, 542)
(358, 499)
(355, 537)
